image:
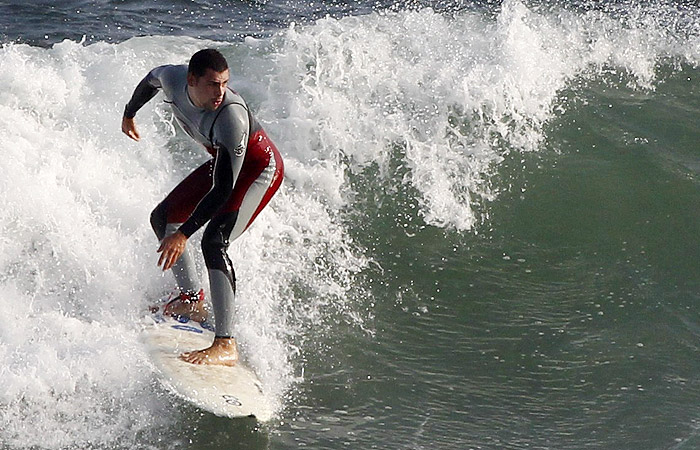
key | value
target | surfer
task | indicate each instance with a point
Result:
(226, 193)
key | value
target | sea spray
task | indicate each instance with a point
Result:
(456, 93)
(72, 288)
(79, 256)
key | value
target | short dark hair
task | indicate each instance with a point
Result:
(208, 58)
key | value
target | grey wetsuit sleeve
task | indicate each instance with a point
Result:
(230, 133)
(145, 90)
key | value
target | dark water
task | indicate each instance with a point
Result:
(487, 238)
(115, 21)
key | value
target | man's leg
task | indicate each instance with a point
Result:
(165, 220)
(253, 190)
(256, 187)
(222, 281)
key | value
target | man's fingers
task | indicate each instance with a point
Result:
(170, 249)
(170, 262)
(129, 128)
(161, 260)
(133, 134)
(165, 259)
(168, 258)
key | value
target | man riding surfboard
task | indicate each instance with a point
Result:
(226, 193)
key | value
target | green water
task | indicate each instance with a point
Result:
(568, 319)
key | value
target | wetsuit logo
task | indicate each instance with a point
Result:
(240, 148)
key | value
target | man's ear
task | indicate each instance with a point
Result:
(191, 79)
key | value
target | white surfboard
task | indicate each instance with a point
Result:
(225, 391)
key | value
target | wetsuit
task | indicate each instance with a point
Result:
(227, 191)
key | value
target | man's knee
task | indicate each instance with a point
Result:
(215, 241)
(213, 248)
(159, 220)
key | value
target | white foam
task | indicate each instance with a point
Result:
(70, 225)
(455, 93)
(78, 255)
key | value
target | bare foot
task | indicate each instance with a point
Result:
(223, 352)
(194, 310)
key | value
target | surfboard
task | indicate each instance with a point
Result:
(231, 392)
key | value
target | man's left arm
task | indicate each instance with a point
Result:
(172, 246)
(231, 141)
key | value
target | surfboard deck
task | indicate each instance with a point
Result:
(224, 391)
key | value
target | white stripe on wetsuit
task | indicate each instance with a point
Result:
(253, 197)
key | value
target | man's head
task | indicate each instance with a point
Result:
(208, 58)
(207, 78)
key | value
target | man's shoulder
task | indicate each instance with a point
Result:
(233, 97)
(232, 123)
(233, 108)
(170, 74)
(171, 69)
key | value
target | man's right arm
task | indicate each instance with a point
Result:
(145, 90)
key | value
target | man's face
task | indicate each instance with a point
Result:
(207, 91)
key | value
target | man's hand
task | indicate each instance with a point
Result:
(129, 128)
(171, 248)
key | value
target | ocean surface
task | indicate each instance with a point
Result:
(488, 236)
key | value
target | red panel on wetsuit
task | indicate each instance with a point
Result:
(184, 198)
(257, 158)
